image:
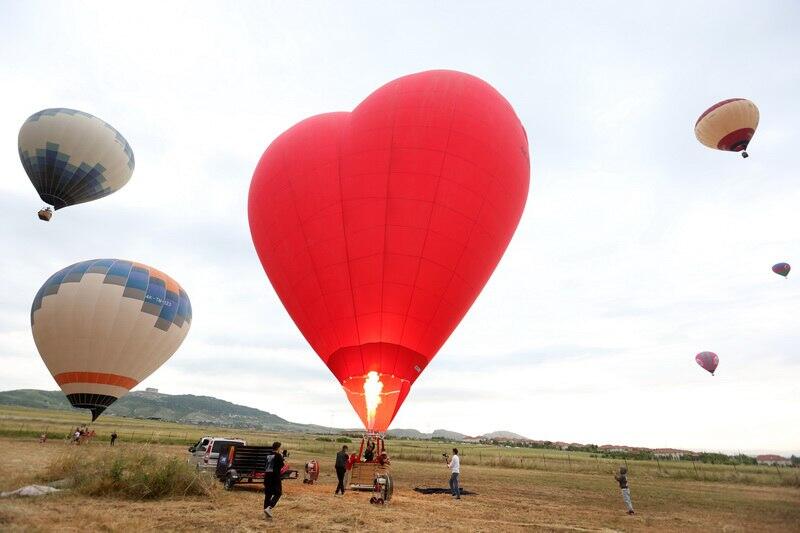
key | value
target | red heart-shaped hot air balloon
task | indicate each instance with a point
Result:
(378, 228)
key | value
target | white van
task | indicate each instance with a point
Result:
(205, 452)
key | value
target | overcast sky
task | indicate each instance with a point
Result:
(638, 247)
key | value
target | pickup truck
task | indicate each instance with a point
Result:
(239, 463)
(204, 454)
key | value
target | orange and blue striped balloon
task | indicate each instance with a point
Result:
(104, 325)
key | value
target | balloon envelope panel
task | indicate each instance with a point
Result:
(104, 325)
(73, 157)
(379, 228)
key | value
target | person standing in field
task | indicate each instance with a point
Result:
(113, 437)
(341, 468)
(454, 464)
(622, 479)
(272, 479)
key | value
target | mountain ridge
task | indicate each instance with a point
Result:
(202, 410)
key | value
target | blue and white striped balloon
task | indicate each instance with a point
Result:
(73, 157)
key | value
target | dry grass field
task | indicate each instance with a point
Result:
(516, 492)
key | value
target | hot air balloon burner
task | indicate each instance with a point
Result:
(45, 214)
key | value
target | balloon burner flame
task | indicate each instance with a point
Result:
(372, 396)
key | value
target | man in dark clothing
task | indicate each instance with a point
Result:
(341, 468)
(113, 437)
(272, 479)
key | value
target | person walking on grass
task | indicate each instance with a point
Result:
(341, 468)
(113, 437)
(272, 479)
(622, 479)
(454, 464)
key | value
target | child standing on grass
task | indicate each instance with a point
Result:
(622, 479)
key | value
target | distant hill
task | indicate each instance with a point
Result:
(205, 410)
(415, 434)
(407, 434)
(503, 435)
(182, 408)
(40, 399)
(447, 435)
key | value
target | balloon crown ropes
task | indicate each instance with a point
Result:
(73, 157)
(728, 125)
(104, 325)
(378, 228)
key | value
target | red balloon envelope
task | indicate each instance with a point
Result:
(707, 360)
(378, 228)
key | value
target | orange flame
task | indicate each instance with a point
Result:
(372, 396)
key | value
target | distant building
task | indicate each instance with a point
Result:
(671, 453)
(770, 459)
(151, 389)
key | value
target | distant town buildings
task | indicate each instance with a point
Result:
(672, 453)
(151, 389)
(770, 459)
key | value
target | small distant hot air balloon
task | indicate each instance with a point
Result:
(707, 360)
(728, 125)
(378, 228)
(782, 269)
(104, 325)
(73, 157)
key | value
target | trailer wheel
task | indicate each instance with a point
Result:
(229, 482)
(380, 501)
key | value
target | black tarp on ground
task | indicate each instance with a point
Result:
(437, 490)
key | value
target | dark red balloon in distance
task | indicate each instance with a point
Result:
(378, 228)
(782, 269)
(707, 360)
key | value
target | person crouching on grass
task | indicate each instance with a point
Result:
(622, 479)
(454, 464)
(272, 479)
